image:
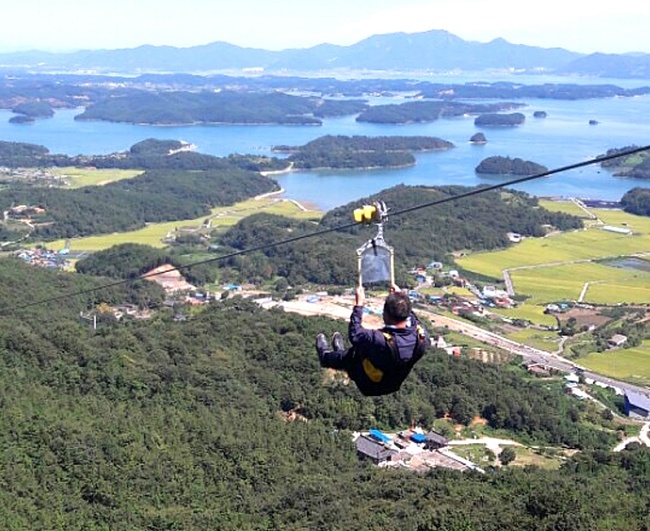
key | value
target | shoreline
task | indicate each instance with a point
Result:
(304, 205)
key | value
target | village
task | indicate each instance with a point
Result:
(412, 449)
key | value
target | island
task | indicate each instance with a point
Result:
(21, 119)
(509, 166)
(636, 166)
(429, 111)
(500, 120)
(34, 109)
(224, 107)
(478, 138)
(360, 152)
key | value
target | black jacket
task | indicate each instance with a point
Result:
(384, 358)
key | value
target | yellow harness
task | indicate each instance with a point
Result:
(376, 375)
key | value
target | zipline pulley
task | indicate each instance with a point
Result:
(375, 257)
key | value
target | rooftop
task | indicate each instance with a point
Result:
(638, 400)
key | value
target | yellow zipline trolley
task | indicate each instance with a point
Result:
(375, 257)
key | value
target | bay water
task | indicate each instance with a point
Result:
(564, 137)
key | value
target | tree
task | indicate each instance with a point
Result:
(507, 456)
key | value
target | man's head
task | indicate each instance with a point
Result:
(397, 308)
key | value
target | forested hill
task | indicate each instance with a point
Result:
(637, 165)
(154, 196)
(352, 152)
(149, 154)
(476, 223)
(637, 201)
(175, 425)
(221, 107)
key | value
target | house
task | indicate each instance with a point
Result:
(434, 440)
(617, 340)
(618, 230)
(440, 343)
(539, 370)
(418, 438)
(374, 450)
(637, 405)
(572, 378)
(379, 436)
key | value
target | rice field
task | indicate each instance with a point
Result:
(221, 218)
(541, 339)
(567, 207)
(631, 364)
(529, 312)
(80, 177)
(566, 266)
(607, 285)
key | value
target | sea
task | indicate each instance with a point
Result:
(563, 138)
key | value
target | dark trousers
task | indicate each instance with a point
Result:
(340, 360)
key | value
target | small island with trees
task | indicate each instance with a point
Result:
(224, 107)
(429, 111)
(29, 111)
(500, 120)
(360, 152)
(509, 166)
(636, 166)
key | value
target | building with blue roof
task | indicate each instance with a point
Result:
(380, 436)
(637, 405)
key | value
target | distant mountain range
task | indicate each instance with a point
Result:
(435, 50)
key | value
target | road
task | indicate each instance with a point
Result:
(341, 307)
(490, 442)
(643, 438)
(552, 360)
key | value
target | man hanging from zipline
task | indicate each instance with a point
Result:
(378, 360)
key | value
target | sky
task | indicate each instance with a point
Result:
(67, 25)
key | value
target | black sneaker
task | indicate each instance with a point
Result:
(337, 342)
(321, 343)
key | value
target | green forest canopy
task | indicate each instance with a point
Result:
(480, 222)
(154, 196)
(174, 425)
(338, 151)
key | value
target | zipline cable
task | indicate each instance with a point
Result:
(265, 246)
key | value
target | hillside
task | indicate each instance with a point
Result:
(435, 49)
(166, 424)
(175, 184)
(216, 108)
(428, 50)
(360, 152)
(479, 223)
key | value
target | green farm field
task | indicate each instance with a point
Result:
(529, 312)
(222, 218)
(631, 364)
(607, 285)
(557, 267)
(541, 339)
(568, 207)
(80, 177)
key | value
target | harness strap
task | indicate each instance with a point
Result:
(418, 350)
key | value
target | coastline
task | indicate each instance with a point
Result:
(305, 206)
